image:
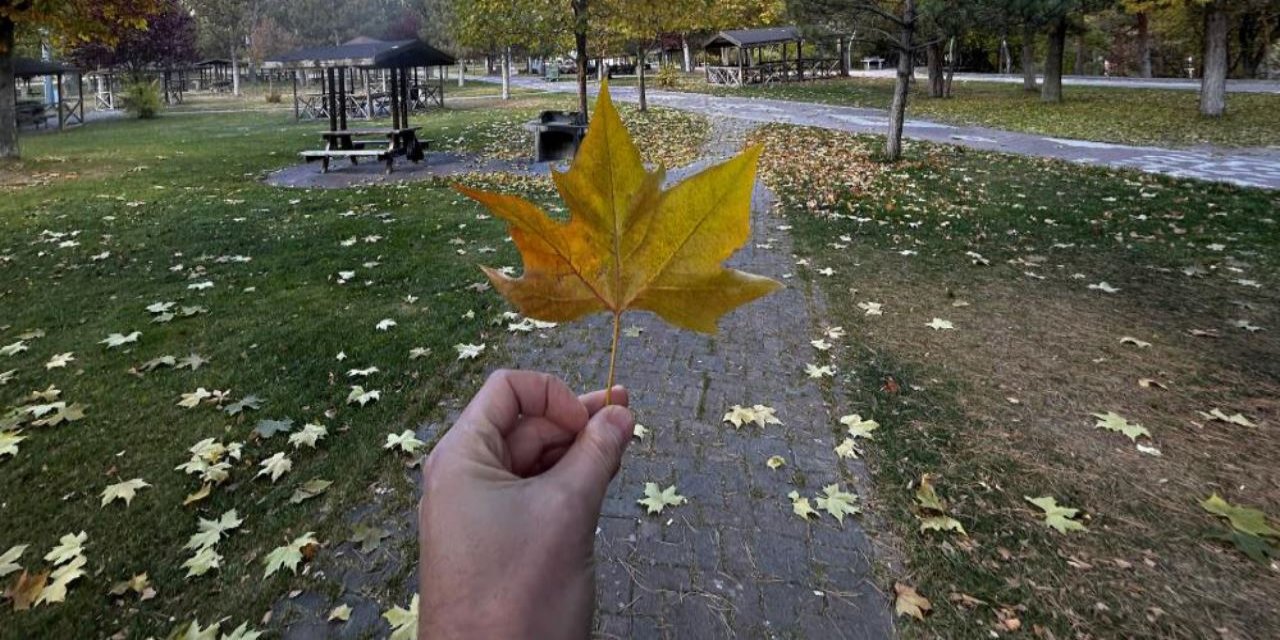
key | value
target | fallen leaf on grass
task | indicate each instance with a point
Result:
(291, 554)
(243, 404)
(59, 361)
(368, 537)
(9, 559)
(340, 613)
(1236, 419)
(1103, 287)
(116, 339)
(406, 441)
(139, 584)
(268, 428)
(193, 399)
(909, 603)
(837, 503)
(361, 397)
(775, 461)
(9, 443)
(859, 428)
(209, 532)
(404, 622)
(123, 491)
(655, 500)
(26, 589)
(938, 324)
(309, 435)
(13, 349)
(468, 351)
(1112, 421)
(70, 547)
(1057, 517)
(814, 371)
(1141, 344)
(1243, 519)
(933, 516)
(309, 490)
(277, 465)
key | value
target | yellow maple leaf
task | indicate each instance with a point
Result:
(629, 243)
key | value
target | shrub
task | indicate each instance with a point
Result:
(274, 97)
(668, 77)
(141, 98)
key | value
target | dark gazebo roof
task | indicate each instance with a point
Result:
(30, 68)
(365, 52)
(213, 62)
(752, 37)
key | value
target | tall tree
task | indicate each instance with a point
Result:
(168, 40)
(642, 23)
(1213, 84)
(67, 22)
(225, 26)
(894, 23)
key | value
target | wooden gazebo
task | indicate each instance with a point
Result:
(69, 110)
(364, 78)
(763, 56)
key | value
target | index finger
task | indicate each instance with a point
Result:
(509, 394)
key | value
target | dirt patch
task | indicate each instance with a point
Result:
(1036, 359)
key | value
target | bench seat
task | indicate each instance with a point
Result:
(351, 154)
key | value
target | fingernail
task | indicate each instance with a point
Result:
(619, 418)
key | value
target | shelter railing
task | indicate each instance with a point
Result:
(774, 71)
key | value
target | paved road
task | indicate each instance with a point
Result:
(1244, 167)
(734, 562)
(1174, 84)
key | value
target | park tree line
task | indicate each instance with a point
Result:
(1142, 37)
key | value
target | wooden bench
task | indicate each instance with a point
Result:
(383, 155)
(32, 113)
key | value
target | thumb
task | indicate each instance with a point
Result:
(594, 457)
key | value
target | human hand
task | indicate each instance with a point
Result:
(510, 504)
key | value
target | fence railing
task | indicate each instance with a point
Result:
(771, 72)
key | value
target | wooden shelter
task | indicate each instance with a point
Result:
(350, 72)
(764, 56)
(69, 110)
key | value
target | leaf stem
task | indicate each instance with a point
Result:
(613, 357)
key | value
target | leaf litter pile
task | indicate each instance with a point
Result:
(1075, 368)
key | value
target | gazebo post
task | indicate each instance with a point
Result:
(80, 94)
(394, 95)
(800, 59)
(296, 115)
(58, 88)
(342, 98)
(329, 99)
(368, 97)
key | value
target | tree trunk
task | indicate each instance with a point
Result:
(235, 72)
(1144, 44)
(1213, 85)
(933, 53)
(506, 73)
(1052, 89)
(1028, 57)
(580, 47)
(8, 106)
(1078, 67)
(950, 68)
(898, 109)
(640, 59)
(688, 58)
(462, 73)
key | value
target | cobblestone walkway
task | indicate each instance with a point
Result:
(734, 562)
(1244, 167)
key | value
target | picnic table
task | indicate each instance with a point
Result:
(383, 145)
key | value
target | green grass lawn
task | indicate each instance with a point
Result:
(999, 408)
(1134, 116)
(100, 223)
